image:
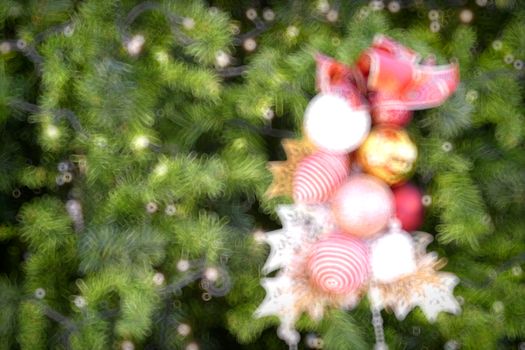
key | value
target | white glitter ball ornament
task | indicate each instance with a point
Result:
(333, 125)
(392, 256)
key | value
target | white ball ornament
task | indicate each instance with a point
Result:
(333, 125)
(392, 256)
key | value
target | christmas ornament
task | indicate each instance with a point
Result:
(409, 206)
(338, 264)
(290, 292)
(424, 287)
(302, 224)
(318, 176)
(341, 240)
(334, 125)
(392, 255)
(363, 206)
(283, 172)
(389, 154)
(399, 82)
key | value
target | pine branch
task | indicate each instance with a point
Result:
(263, 131)
(260, 27)
(173, 19)
(138, 10)
(60, 28)
(60, 113)
(59, 318)
(232, 71)
(28, 51)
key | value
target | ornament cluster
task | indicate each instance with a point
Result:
(346, 235)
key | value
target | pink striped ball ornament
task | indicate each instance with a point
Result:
(318, 176)
(338, 264)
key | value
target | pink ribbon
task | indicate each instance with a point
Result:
(388, 79)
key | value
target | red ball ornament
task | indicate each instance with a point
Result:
(318, 176)
(363, 206)
(338, 264)
(409, 207)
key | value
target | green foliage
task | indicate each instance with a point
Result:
(45, 224)
(9, 299)
(166, 150)
(104, 247)
(341, 331)
(32, 326)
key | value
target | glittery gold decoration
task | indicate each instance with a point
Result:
(283, 172)
(389, 154)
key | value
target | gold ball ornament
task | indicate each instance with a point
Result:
(389, 154)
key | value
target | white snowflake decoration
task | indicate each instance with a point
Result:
(289, 293)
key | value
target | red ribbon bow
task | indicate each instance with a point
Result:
(389, 79)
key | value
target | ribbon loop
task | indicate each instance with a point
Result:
(395, 83)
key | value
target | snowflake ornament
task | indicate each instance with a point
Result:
(427, 288)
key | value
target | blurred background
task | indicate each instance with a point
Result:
(133, 168)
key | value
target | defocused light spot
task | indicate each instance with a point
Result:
(21, 44)
(135, 44)
(471, 96)
(5, 47)
(158, 279)
(161, 169)
(183, 265)
(40, 293)
(509, 58)
(170, 210)
(323, 6)
(394, 7)
(268, 114)
(466, 16)
(140, 142)
(497, 45)
(377, 5)
(52, 131)
(222, 59)
(332, 16)
(498, 307)
(127, 345)
(183, 329)
(292, 31)
(192, 346)
(211, 273)
(251, 14)
(435, 26)
(188, 23)
(451, 345)
(80, 301)
(151, 207)
(69, 30)
(268, 15)
(426, 200)
(249, 44)
(433, 15)
(446, 146)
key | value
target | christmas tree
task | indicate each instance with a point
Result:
(134, 178)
